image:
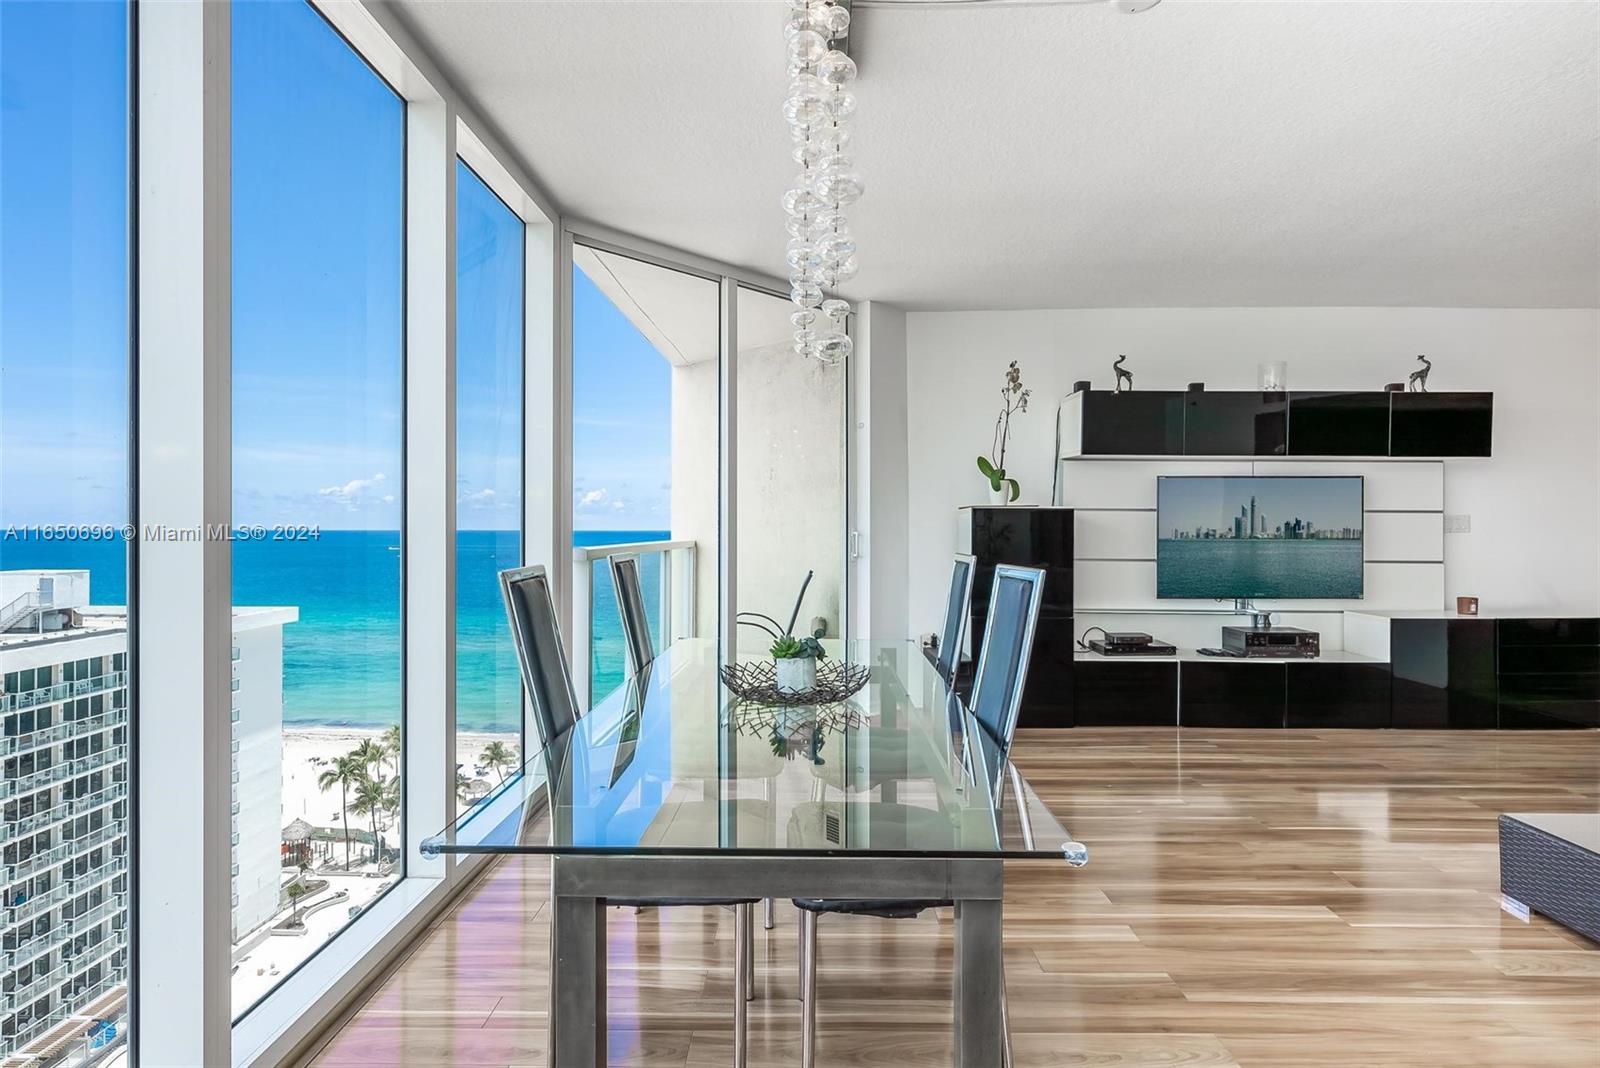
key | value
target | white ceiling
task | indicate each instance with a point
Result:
(1201, 153)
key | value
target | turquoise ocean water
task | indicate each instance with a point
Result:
(341, 661)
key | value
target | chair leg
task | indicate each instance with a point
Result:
(741, 981)
(808, 989)
(766, 916)
(748, 929)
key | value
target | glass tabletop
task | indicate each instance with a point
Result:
(672, 763)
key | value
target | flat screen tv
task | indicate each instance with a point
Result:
(1247, 536)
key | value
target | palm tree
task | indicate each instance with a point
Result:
(296, 892)
(369, 801)
(390, 740)
(346, 772)
(371, 753)
(391, 799)
(497, 756)
(463, 784)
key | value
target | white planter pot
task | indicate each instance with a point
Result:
(796, 673)
(1000, 496)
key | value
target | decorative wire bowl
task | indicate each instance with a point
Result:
(757, 682)
(757, 718)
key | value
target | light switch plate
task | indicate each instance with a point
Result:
(1458, 524)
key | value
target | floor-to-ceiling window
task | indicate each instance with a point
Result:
(318, 482)
(645, 418)
(64, 501)
(790, 505)
(489, 446)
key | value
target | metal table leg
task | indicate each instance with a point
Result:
(979, 984)
(578, 982)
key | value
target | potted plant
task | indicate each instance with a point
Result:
(795, 659)
(796, 662)
(1013, 401)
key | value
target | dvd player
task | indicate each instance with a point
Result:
(1288, 643)
(1130, 649)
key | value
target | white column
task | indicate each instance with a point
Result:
(727, 534)
(429, 543)
(880, 475)
(559, 438)
(181, 588)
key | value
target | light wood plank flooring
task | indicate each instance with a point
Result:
(1253, 898)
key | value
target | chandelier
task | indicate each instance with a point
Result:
(821, 252)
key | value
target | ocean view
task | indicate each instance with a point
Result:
(1257, 567)
(341, 661)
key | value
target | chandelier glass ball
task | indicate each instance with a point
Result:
(821, 251)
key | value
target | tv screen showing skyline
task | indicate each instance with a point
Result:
(1222, 537)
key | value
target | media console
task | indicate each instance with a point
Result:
(1417, 670)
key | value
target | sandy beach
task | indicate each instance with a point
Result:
(303, 746)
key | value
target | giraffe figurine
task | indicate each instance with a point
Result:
(1124, 376)
(1418, 382)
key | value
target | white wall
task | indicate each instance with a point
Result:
(1534, 506)
(879, 491)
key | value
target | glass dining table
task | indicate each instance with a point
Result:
(673, 788)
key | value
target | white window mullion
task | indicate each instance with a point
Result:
(429, 544)
(183, 930)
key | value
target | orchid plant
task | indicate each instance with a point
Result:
(1013, 401)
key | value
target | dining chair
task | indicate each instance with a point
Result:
(957, 613)
(1001, 675)
(541, 655)
(630, 609)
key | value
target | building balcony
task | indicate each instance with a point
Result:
(60, 732)
(64, 851)
(32, 947)
(73, 1005)
(62, 811)
(67, 769)
(62, 691)
(37, 986)
(672, 603)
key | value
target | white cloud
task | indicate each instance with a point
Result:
(356, 491)
(617, 506)
(594, 496)
(483, 496)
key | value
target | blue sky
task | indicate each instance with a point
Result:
(1186, 503)
(318, 338)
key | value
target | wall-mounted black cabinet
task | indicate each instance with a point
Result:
(1300, 423)
(1136, 423)
(1339, 424)
(1235, 424)
(1441, 424)
(1337, 695)
(1237, 694)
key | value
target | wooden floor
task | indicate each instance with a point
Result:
(1252, 898)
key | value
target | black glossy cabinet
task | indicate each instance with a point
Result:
(1444, 673)
(1031, 537)
(1441, 424)
(1124, 693)
(1337, 695)
(1549, 673)
(1235, 424)
(1224, 694)
(1339, 424)
(1351, 423)
(1136, 423)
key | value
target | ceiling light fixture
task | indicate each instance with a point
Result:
(821, 252)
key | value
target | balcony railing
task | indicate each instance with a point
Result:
(61, 732)
(64, 851)
(67, 809)
(672, 616)
(61, 771)
(62, 691)
(37, 1028)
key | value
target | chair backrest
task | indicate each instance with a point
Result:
(957, 611)
(630, 608)
(540, 653)
(1002, 669)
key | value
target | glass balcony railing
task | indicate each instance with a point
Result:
(34, 1029)
(60, 732)
(66, 769)
(667, 572)
(67, 809)
(61, 691)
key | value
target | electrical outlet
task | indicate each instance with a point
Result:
(1458, 524)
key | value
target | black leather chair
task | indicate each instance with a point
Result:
(1002, 672)
(542, 657)
(957, 612)
(630, 609)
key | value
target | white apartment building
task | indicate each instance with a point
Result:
(64, 802)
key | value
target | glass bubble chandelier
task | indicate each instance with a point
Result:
(821, 252)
